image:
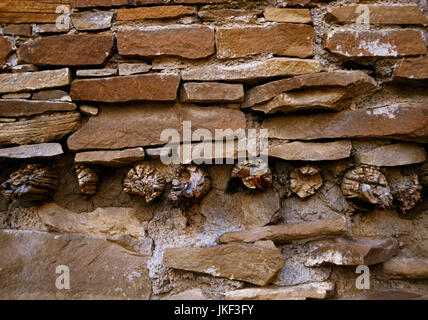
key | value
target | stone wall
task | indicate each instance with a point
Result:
(339, 85)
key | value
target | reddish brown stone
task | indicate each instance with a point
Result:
(378, 14)
(161, 12)
(5, 49)
(367, 43)
(113, 3)
(401, 121)
(355, 79)
(19, 108)
(159, 87)
(211, 92)
(140, 125)
(67, 50)
(190, 42)
(18, 30)
(280, 39)
(413, 68)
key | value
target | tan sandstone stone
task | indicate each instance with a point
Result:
(67, 50)
(139, 125)
(402, 267)
(161, 12)
(29, 81)
(398, 154)
(100, 223)
(374, 43)
(281, 39)
(287, 232)
(312, 151)
(115, 158)
(251, 263)
(401, 121)
(316, 290)
(378, 14)
(287, 15)
(92, 20)
(192, 42)
(42, 150)
(98, 268)
(159, 87)
(212, 92)
(355, 82)
(413, 68)
(252, 70)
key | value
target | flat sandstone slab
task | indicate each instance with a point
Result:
(378, 14)
(400, 121)
(139, 125)
(158, 87)
(398, 154)
(269, 68)
(67, 50)
(312, 151)
(114, 158)
(191, 42)
(42, 150)
(287, 232)
(402, 267)
(287, 15)
(98, 268)
(21, 107)
(212, 92)
(316, 290)
(31, 81)
(251, 263)
(280, 39)
(373, 43)
(412, 68)
(161, 12)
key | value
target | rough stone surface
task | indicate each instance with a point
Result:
(412, 68)
(100, 223)
(353, 252)
(67, 50)
(18, 30)
(305, 181)
(251, 263)
(40, 129)
(288, 232)
(252, 70)
(20, 108)
(43, 150)
(97, 267)
(287, 15)
(316, 290)
(127, 69)
(163, 12)
(405, 188)
(52, 95)
(281, 39)
(226, 15)
(96, 72)
(86, 21)
(401, 121)
(355, 82)
(28, 81)
(312, 151)
(121, 128)
(5, 49)
(127, 88)
(402, 267)
(379, 14)
(212, 92)
(397, 154)
(388, 43)
(190, 42)
(117, 158)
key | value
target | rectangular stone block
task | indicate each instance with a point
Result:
(159, 87)
(191, 42)
(212, 92)
(20, 108)
(279, 39)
